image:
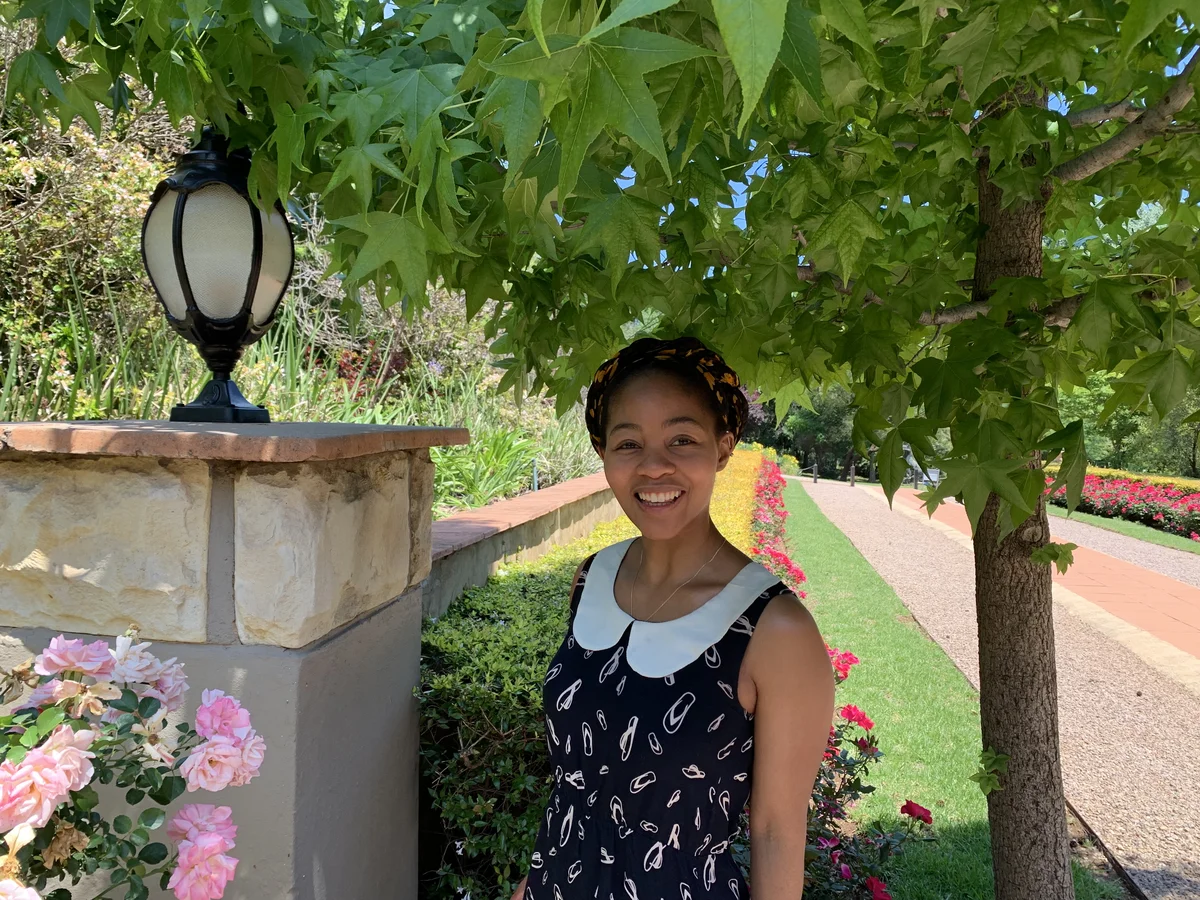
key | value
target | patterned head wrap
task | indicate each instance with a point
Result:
(687, 355)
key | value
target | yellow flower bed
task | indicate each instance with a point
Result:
(732, 505)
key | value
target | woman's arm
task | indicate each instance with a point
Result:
(793, 711)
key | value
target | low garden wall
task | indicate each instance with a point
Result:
(470, 546)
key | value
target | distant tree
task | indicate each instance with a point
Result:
(1106, 439)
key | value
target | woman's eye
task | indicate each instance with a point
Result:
(684, 440)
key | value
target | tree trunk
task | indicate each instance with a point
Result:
(1018, 690)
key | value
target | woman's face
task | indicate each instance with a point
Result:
(662, 453)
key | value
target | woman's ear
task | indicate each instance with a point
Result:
(725, 447)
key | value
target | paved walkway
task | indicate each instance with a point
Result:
(1129, 726)
(1163, 606)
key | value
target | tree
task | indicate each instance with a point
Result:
(823, 428)
(1106, 439)
(923, 200)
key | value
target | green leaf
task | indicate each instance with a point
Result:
(57, 16)
(752, 31)
(122, 824)
(1165, 376)
(606, 86)
(86, 800)
(1061, 555)
(172, 788)
(976, 479)
(153, 854)
(926, 13)
(30, 71)
(533, 9)
(483, 284)
(1093, 323)
(977, 49)
(392, 240)
(621, 225)
(848, 17)
(127, 702)
(891, 463)
(152, 818)
(418, 94)
(1073, 469)
(1142, 17)
(134, 796)
(515, 105)
(49, 719)
(268, 17)
(799, 51)
(461, 23)
(148, 707)
(627, 12)
(846, 229)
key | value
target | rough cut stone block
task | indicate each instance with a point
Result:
(95, 545)
(420, 505)
(317, 545)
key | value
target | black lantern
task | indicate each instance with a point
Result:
(220, 267)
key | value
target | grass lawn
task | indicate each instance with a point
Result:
(925, 712)
(1132, 529)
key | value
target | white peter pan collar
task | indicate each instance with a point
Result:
(658, 649)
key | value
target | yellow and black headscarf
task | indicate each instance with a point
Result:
(686, 355)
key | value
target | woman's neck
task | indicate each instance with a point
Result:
(677, 559)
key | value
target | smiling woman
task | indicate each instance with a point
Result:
(688, 674)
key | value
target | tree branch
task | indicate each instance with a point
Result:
(1151, 123)
(1096, 115)
(1059, 313)
(809, 274)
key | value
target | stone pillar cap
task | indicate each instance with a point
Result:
(275, 442)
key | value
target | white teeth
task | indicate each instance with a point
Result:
(659, 498)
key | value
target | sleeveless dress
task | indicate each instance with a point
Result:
(652, 752)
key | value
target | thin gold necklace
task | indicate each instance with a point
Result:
(633, 586)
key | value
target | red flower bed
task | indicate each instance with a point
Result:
(1166, 507)
(842, 862)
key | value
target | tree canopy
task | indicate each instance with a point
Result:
(953, 208)
(794, 180)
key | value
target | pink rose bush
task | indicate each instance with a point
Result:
(98, 714)
(842, 861)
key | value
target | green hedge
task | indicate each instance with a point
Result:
(484, 765)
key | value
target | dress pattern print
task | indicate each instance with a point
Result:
(651, 749)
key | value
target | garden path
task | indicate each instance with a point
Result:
(1120, 713)
(1140, 594)
(1173, 563)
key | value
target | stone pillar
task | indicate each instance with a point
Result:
(281, 563)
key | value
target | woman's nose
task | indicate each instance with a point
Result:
(655, 463)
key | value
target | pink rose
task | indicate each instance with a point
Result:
(198, 819)
(213, 765)
(132, 664)
(170, 687)
(30, 790)
(203, 870)
(254, 748)
(71, 750)
(10, 890)
(223, 715)
(53, 692)
(75, 656)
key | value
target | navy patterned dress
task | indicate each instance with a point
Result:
(652, 752)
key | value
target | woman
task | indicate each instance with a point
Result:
(688, 674)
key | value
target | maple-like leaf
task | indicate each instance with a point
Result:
(602, 85)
